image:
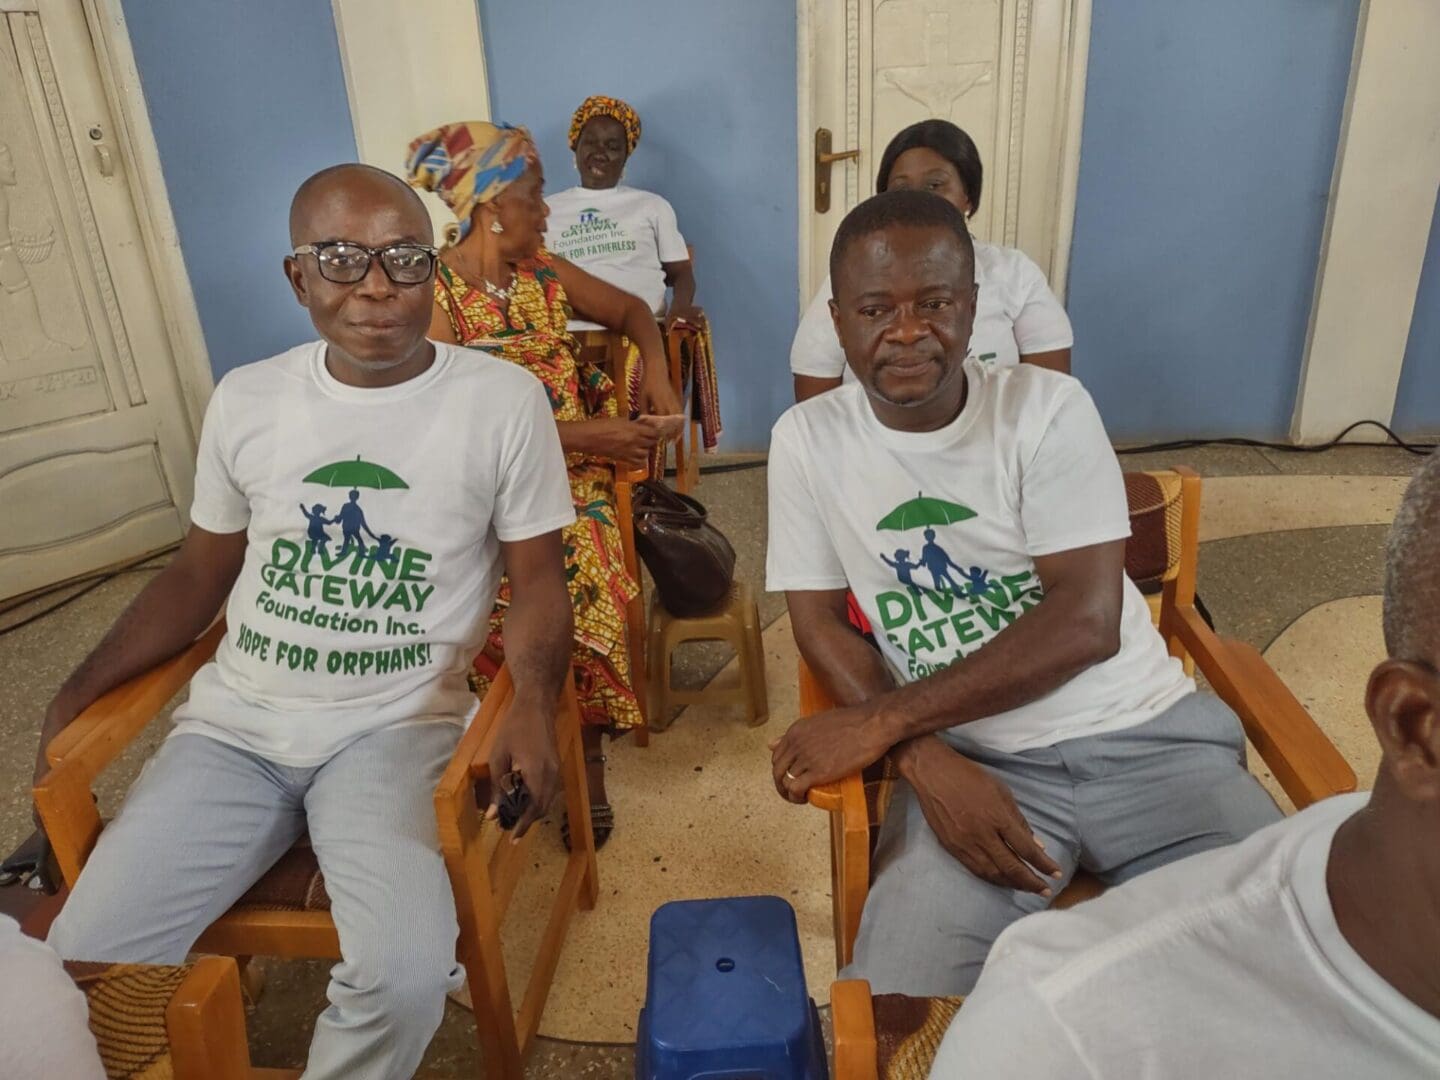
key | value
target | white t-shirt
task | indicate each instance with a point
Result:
(322, 649)
(44, 1020)
(1225, 964)
(619, 234)
(1015, 314)
(1024, 470)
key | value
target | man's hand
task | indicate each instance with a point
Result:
(525, 744)
(975, 818)
(824, 748)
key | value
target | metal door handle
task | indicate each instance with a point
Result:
(824, 158)
(103, 155)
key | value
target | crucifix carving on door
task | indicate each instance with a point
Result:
(936, 82)
(22, 334)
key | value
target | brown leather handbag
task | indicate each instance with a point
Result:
(691, 561)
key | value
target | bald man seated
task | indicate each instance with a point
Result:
(357, 500)
(1311, 949)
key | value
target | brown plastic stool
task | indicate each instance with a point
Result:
(738, 622)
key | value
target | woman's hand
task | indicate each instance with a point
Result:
(625, 442)
(657, 396)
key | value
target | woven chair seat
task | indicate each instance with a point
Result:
(127, 1005)
(292, 884)
(908, 1031)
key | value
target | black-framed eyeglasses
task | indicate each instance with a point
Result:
(345, 262)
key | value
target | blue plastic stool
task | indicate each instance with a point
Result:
(726, 995)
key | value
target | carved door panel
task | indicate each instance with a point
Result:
(95, 450)
(1007, 71)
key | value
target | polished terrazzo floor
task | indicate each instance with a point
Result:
(1291, 561)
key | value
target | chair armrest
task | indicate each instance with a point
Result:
(206, 1022)
(1303, 759)
(852, 1012)
(471, 760)
(94, 739)
(98, 734)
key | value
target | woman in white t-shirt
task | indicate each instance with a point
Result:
(1017, 317)
(622, 235)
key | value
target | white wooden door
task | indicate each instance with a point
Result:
(1010, 72)
(96, 453)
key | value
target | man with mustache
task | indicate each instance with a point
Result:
(1039, 726)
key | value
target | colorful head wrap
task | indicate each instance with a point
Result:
(600, 105)
(468, 163)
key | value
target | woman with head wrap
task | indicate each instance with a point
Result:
(620, 234)
(497, 288)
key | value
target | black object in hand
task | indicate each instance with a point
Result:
(514, 798)
(30, 864)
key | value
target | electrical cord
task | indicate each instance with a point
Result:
(136, 567)
(1335, 443)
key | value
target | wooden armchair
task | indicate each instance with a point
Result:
(886, 1036)
(1162, 554)
(680, 344)
(287, 912)
(606, 349)
(635, 633)
(186, 1021)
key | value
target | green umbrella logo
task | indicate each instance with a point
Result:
(355, 474)
(922, 512)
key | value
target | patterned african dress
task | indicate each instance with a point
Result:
(532, 334)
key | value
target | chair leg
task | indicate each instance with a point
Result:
(639, 666)
(682, 467)
(755, 656)
(694, 455)
(252, 979)
(577, 810)
(657, 711)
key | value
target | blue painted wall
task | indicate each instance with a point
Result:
(246, 100)
(1417, 404)
(714, 84)
(1209, 144)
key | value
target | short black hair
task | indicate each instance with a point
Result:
(1411, 611)
(908, 209)
(947, 140)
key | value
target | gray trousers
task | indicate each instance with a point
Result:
(1117, 805)
(205, 820)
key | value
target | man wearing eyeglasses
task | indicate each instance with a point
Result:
(338, 694)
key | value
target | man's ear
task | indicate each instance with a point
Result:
(296, 276)
(1403, 700)
(835, 318)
